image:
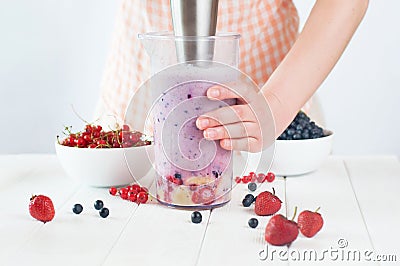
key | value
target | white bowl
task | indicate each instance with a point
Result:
(105, 167)
(297, 157)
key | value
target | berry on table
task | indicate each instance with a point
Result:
(104, 212)
(142, 197)
(132, 196)
(270, 177)
(238, 179)
(196, 217)
(246, 179)
(113, 191)
(252, 186)
(249, 196)
(135, 188)
(77, 209)
(281, 231)
(253, 222)
(41, 208)
(310, 223)
(246, 203)
(260, 178)
(98, 204)
(123, 195)
(248, 200)
(267, 203)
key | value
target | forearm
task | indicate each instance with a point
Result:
(325, 35)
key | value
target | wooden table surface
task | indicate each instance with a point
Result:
(359, 199)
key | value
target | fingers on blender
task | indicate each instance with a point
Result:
(221, 93)
(227, 115)
(243, 144)
(233, 131)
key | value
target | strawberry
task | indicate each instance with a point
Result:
(267, 203)
(41, 208)
(281, 231)
(310, 222)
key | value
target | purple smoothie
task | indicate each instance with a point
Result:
(191, 171)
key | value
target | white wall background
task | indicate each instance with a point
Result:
(52, 54)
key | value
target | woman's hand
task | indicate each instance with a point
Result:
(246, 126)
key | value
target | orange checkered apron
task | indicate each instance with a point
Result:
(268, 29)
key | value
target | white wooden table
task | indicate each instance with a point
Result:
(359, 199)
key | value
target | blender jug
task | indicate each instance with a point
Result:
(190, 170)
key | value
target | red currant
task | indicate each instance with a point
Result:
(123, 195)
(132, 196)
(246, 179)
(88, 128)
(270, 177)
(113, 191)
(135, 188)
(260, 178)
(238, 179)
(125, 127)
(142, 197)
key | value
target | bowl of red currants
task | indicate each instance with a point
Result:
(301, 148)
(105, 158)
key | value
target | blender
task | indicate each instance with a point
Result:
(191, 172)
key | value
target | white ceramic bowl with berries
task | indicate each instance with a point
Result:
(301, 148)
(297, 157)
(105, 167)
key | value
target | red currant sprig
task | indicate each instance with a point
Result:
(93, 136)
(253, 177)
(134, 193)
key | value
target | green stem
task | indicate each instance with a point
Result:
(295, 212)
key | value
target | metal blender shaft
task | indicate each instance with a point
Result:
(194, 18)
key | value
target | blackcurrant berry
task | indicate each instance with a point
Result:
(77, 209)
(196, 217)
(253, 222)
(104, 212)
(98, 204)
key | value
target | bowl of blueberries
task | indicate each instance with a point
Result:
(301, 148)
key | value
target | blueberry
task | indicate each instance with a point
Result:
(299, 127)
(253, 222)
(246, 202)
(301, 114)
(252, 186)
(305, 135)
(77, 209)
(104, 212)
(249, 196)
(177, 175)
(297, 136)
(291, 131)
(196, 217)
(98, 204)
